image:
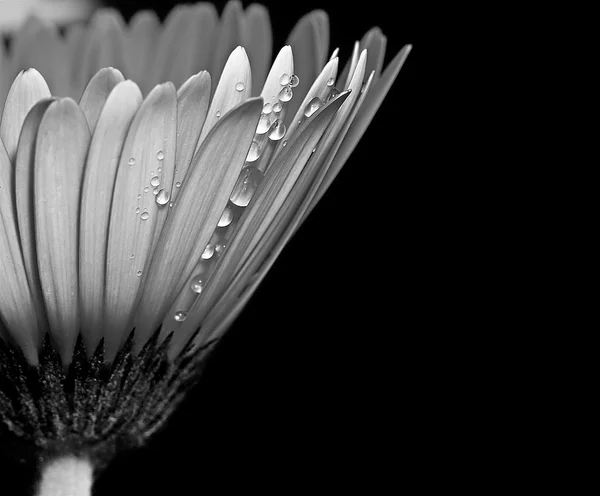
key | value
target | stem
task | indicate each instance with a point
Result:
(68, 476)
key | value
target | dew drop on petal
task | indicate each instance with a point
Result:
(313, 106)
(286, 93)
(330, 82)
(246, 185)
(137, 210)
(277, 107)
(239, 86)
(263, 124)
(226, 217)
(144, 215)
(155, 181)
(253, 152)
(197, 285)
(146, 189)
(132, 255)
(155, 191)
(178, 184)
(278, 131)
(218, 114)
(159, 170)
(139, 196)
(131, 161)
(160, 155)
(171, 205)
(267, 109)
(163, 197)
(284, 80)
(294, 81)
(284, 143)
(208, 252)
(180, 316)
(334, 93)
(139, 273)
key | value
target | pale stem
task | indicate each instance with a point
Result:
(67, 476)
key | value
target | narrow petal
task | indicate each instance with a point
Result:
(139, 48)
(27, 89)
(135, 214)
(310, 43)
(258, 40)
(105, 47)
(320, 89)
(192, 107)
(24, 186)
(228, 36)
(234, 87)
(185, 43)
(97, 91)
(344, 79)
(199, 206)
(16, 305)
(370, 106)
(374, 42)
(96, 197)
(265, 204)
(284, 64)
(62, 144)
(38, 45)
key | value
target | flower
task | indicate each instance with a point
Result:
(139, 217)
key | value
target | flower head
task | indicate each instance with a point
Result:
(139, 216)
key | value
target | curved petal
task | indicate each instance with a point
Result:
(61, 148)
(97, 91)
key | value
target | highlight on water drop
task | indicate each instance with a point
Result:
(160, 155)
(155, 181)
(226, 217)
(253, 152)
(239, 86)
(285, 95)
(208, 252)
(131, 161)
(313, 106)
(180, 316)
(278, 131)
(284, 80)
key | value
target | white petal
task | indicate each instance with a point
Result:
(140, 48)
(195, 215)
(97, 91)
(96, 198)
(151, 137)
(16, 304)
(27, 89)
(284, 64)
(62, 144)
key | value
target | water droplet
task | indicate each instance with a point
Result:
(171, 205)
(139, 196)
(151, 173)
(239, 86)
(178, 184)
(160, 155)
(159, 170)
(146, 189)
(286, 93)
(180, 316)
(277, 107)
(137, 210)
(246, 185)
(220, 248)
(263, 124)
(226, 217)
(278, 131)
(284, 143)
(267, 109)
(155, 191)
(253, 153)
(218, 114)
(330, 82)
(131, 161)
(334, 93)
(208, 252)
(294, 81)
(313, 106)
(197, 285)
(155, 181)
(132, 255)
(144, 215)
(139, 273)
(284, 80)
(163, 197)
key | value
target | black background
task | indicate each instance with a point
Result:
(322, 383)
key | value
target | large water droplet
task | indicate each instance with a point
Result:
(246, 185)
(163, 197)
(278, 131)
(226, 217)
(144, 215)
(131, 161)
(197, 285)
(160, 155)
(263, 124)
(286, 93)
(284, 80)
(155, 181)
(208, 252)
(330, 82)
(313, 106)
(277, 107)
(180, 316)
(239, 86)
(294, 81)
(267, 109)
(253, 153)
